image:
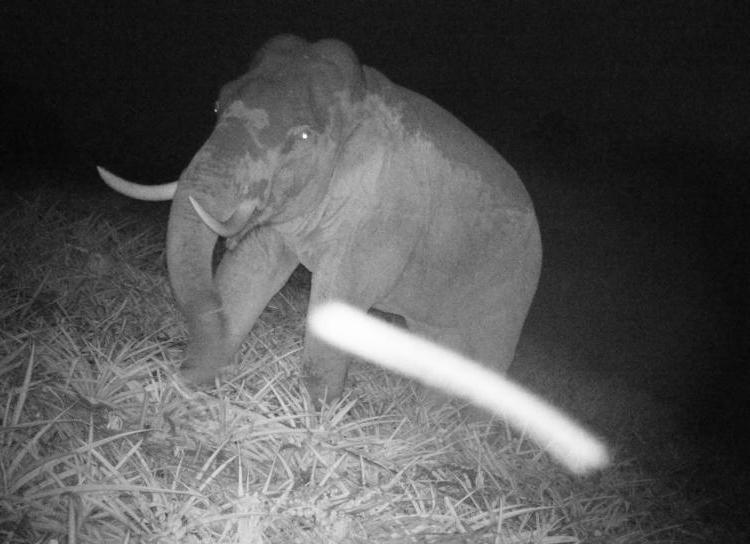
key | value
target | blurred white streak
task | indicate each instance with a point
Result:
(354, 331)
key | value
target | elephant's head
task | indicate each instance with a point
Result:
(268, 160)
(277, 133)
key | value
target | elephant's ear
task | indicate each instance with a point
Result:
(277, 51)
(350, 75)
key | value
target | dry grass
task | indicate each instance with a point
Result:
(99, 446)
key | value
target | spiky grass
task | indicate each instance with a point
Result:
(99, 445)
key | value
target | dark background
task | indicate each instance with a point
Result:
(132, 84)
(628, 121)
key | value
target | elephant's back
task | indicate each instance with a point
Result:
(456, 142)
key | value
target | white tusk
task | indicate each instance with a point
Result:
(165, 191)
(231, 226)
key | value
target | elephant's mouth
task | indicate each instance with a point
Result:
(220, 247)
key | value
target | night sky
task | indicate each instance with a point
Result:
(653, 96)
(132, 84)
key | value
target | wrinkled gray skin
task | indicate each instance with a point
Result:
(388, 199)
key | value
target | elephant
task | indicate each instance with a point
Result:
(390, 201)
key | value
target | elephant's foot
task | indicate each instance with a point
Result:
(205, 361)
(198, 375)
(322, 389)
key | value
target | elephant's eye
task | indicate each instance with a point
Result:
(302, 134)
(299, 136)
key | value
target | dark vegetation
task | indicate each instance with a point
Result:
(633, 331)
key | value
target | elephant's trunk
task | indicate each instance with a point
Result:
(190, 244)
(211, 179)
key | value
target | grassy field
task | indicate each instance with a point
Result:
(98, 446)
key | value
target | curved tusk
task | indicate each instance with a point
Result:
(231, 226)
(134, 190)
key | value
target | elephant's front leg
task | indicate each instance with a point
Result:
(325, 368)
(360, 279)
(324, 371)
(245, 280)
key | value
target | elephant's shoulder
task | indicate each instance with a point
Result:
(417, 114)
